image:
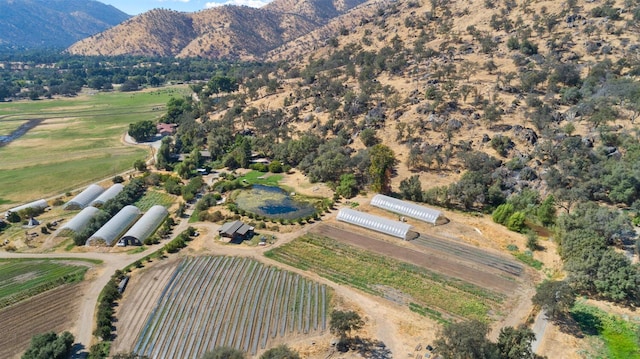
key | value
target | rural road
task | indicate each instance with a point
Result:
(539, 327)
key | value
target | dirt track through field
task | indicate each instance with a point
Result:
(54, 310)
(437, 261)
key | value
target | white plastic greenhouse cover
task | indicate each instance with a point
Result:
(116, 226)
(146, 225)
(85, 197)
(369, 221)
(41, 203)
(405, 208)
(77, 223)
(108, 194)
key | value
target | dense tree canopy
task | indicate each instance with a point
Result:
(50, 346)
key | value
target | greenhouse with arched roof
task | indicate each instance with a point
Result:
(379, 224)
(78, 222)
(112, 230)
(110, 193)
(406, 208)
(145, 226)
(39, 204)
(84, 198)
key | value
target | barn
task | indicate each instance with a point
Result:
(238, 231)
(84, 198)
(406, 208)
(110, 193)
(112, 230)
(144, 227)
(375, 223)
(78, 222)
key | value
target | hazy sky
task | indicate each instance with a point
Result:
(135, 7)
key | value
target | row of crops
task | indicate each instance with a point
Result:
(21, 279)
(230, 301)
(387, 277)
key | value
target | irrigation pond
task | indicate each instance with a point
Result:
(273, 202)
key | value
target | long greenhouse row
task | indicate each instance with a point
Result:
(230, 301)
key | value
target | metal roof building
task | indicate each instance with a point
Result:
(84, 198)
(369, 221)
(77, 223)
(115, 227)
(406, 208)
(145, 226)
(41, 203)
(110, 193)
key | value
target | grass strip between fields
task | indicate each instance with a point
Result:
(416, 287)
(24, 278)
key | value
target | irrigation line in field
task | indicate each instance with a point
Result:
(266, 327)
(213, 341)
(324, 308)
(315, 307)
(204, 323)
(256, 297)
(237, 310)
(301, 303)
(140, 342)
(175, 316)
(197, 302)
(249, 283)
(260, 315)
(285, 308)
(286, 278)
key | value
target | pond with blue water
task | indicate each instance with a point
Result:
(273, 202)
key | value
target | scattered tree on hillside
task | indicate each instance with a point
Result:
(224, 353)
(280, 352)
(381, 168)
(342, 323)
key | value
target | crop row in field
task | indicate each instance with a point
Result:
(230, 301)
(20, 279)
(376, 274)
(152, 198)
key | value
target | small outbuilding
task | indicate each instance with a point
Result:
(84, 198)
(238, 231)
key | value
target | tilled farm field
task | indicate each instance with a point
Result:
(219, 301)
(455, 260)
(53, 310)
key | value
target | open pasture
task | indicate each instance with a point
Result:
(21, 279)
(77, 142)
(225, 301)
(439, 296)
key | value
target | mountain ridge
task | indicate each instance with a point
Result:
(55, 23)
(229, 31)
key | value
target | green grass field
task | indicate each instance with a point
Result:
(620, 337)
(78, 142)
(423, 291)
(263, 178)
(23, 278)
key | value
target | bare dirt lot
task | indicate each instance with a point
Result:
(446, 263)
(54, 310)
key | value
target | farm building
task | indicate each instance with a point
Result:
(77, 223)
(379, 224)
(236, 230)
(84, 198)
(110, 193)
(115, 227)
(40, 204)
(166, 129)
(144, 227)
(406, 208)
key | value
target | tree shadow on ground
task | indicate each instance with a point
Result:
(579, 324)
(370, 348)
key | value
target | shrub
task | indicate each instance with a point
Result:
(503, 213)
(516, 222)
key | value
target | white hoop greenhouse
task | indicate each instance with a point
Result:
(110, 193)
(84, 198)
(145, 226)
(406, 208)
(115, 227)
(379, 224)
(77, 223)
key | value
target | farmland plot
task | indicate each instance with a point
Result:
(230, 301)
